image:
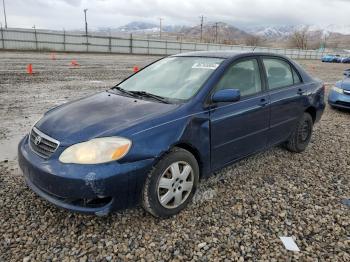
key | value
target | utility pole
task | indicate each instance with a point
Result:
(3, 4)
(202, 19)
(216, 32)
(36, 37)
(160, 27)
(86, 25)
(325, 41)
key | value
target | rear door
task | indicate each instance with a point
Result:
(287, 93)
(239, 128)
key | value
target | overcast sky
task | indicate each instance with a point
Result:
(68, 14)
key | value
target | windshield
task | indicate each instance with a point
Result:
(173, 78)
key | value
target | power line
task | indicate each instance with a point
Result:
(3, 4)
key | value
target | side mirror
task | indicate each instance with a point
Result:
(226, 95)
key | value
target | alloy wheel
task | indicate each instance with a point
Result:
(175, 184)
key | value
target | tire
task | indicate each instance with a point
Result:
(167, 198)
(301, 135)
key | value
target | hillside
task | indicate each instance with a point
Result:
(332, 36)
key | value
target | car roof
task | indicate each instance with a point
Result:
(224, 54)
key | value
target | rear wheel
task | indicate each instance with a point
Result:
(301, 135)
(171, 184)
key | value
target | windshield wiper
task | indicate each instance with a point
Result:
(141, 94)
(146, 94)
(123, 91)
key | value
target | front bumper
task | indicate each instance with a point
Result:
(336, 99)
(94, 189)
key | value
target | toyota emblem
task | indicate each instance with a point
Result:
(37, 140)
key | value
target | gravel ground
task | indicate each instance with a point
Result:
(238, 214)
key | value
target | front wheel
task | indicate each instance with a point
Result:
(301, 135)
(171, 183)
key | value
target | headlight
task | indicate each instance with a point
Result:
(96, 151)
(338, 90)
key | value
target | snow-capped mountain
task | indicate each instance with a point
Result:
(138, 27)
(340, 29)
(143, 27)
(287, 30)
(271, 31)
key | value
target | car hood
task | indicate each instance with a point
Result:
(345, 84)
(97, 115)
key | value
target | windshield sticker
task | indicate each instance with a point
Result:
(205, 66)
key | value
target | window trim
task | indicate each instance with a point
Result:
(298, 75)
(292, 67)
(242, 59)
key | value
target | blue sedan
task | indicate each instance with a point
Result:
(339, 95)
(331, 58)
(152, 137)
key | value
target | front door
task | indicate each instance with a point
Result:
(240, 128)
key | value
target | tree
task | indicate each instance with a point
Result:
(299, 38)
(253, 40)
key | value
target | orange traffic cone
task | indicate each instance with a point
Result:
(30, 69)
(53, 56)
(135, 69)
(74, 63)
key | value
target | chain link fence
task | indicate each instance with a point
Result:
(46, 40)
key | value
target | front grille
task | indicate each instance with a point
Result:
(42, 144)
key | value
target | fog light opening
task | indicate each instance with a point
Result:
(93, 202)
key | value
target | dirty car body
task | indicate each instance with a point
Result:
(217, 134)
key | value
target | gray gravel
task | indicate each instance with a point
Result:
(238, 214)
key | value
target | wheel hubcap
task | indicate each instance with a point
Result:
(175, 184)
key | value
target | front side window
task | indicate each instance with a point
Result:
(174, 78)
(278, 73)
(244, 76)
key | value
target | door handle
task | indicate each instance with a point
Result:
(300, 91)
(263, 102)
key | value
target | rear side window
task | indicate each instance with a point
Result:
(279, 73)
(244, 75)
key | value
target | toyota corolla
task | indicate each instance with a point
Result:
(152, 137)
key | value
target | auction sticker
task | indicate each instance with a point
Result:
(210, 66)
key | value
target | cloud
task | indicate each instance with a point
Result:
(111, 13)
(73, 2)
